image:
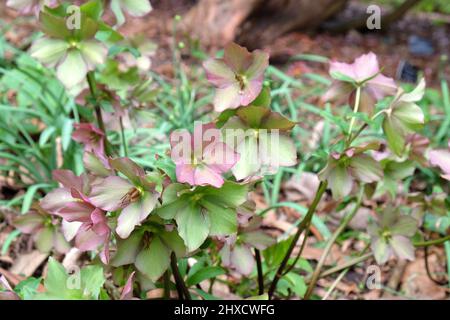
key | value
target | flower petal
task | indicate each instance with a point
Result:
(108, 194)
(72, 70)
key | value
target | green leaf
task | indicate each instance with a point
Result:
(92, 280)
(395, 140)
(205, 273)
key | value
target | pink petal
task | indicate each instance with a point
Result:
(220, 157)
(218, 73)
(68, 179)
(365, 66)
(185, 173)
(127, 292)
(76, 211)
(206, 176)
(441, 159)
(87, 239)
(100, 223)
(56, 200)
(108, 194)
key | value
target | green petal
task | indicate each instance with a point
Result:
(127, 250)
(44, 240)
(193, 226)
(249, 163)
(405, 226)
(223, 220)
(72, 69)
(366, 169)
(340, 182)
(137, 8)
(93, 52)
(174, 242)
(403, 247)
(154, 260)
(231, 194)
(380, 250)
(395, 136)
(49, 51)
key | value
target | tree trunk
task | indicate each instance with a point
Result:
(255, 23)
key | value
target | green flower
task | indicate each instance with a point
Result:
(203, 211)
(391, 235)
(352, 164)
(262, 141)
(149, 248)
(403, 117)
(73, 52)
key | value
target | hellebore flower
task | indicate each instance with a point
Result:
(73, 52)
(391, 234)
(136, 8)
(87, 223)
(202, 211)
(149, 248)
(45, 231)
(262, 141)
(91, 137)
(238, 77)
(27, 7)
(135, 196)
(352, 164)
(201, 158)
(365, 73)
(403, 117)
(441, 159)
(237, 250)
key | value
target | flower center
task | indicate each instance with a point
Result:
(242, 80)
(131, 196)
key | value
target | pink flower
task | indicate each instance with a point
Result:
(441, 159)
(238, 77)
(202, 158)
(364, 72)
(91, 136)
(70, 202)
(135, 196)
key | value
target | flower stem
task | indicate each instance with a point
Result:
(432, 242)
(260, 272)
(346, 265)
(330, 243)
(302, 226)
(124, 142)
(98, 112)
(355, 109)
(166, 285)
(183, 292)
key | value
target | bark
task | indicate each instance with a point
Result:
(255, 23)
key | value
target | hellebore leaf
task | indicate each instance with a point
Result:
(154, 260)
